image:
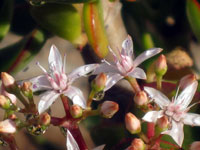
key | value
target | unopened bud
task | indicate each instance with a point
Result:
(26, 89)
(162, 124)
(98, 84)
(132, 123)
(138, 144)
(161, 65)
(186, 81)
(141, 98)
(195, 145)
(76, 111)
(8, 80)
(7, 126)
(44, 119)
(109, 108)
(4, 102)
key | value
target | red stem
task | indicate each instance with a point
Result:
(150, 130)
(57, 121)
(66, 106)
(11, 141)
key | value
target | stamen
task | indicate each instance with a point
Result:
(114, 55)
(105, 61)
(176, 93)
(44, 70)
(188, 108)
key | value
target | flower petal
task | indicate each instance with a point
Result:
(186, 95)
(46, 100)
(55, 59)
(127, 46)
(12, 97)
(40, 83)
(71, 142)
(152, 116)
(7, 126)
(105, 67)
(176, 132)
(101, 147)
(112, 79)
(146, 55)
(81, 71)
(76, 96)
(158, 97)
(138, 73)
(191, 119)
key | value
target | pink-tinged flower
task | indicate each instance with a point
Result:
(7, 126)
(124, 65)
(71, 143)
(176, 111)
(57, 82)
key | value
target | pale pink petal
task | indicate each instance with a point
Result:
(185, 98)
(146, 55)
(137, 73)
(40, 83)
(81, 71)
(7, 126)
(152, 116)
(127, 46)
(46, 100)
(105, 67)
(101, 147)
(176, 132)
(55, 59)
(12, 97)
(112, 79)
(191, 119)
(71, 143)
(159, 98)
(76, 96)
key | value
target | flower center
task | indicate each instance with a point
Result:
(174, 112)
(125, 64)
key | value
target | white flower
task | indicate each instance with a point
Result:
(57, 82)
(176, 111)
(7, 126)
(125, 65)
(71, 143)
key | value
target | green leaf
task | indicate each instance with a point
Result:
(94, 27)
(193, 14)
(6, 14)
(15, 57)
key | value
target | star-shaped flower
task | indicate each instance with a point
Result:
(124, 65)
(176, 111)
(57, 82)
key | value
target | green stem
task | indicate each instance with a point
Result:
(159, 82)
(91, 96)
(20, 97)
(143, 137)
(134, 84)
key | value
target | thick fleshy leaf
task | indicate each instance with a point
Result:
(81, 71)
(46, 100)
(40, 83)
(146, 55)
(127, 47)
(76, 96)
(55, 59)
(157, 96)
(101, 147)
(176, 132)
(7, 126)
(104, 67)
(152, 116)
(71, 143)
(191, 119)
(138, 73)
(112, 79)
(185, 98)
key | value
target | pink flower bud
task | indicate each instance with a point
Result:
(141, 98)
(4, 102)
(26, 89)
(99, 82)
(162, 124)
(7, 126)
(186, 81)
(138, 144)
(76, 111)
(132, 123)
(45, 119)
(161, 65)
(195, 145)
(109, 108)
(7, 79)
